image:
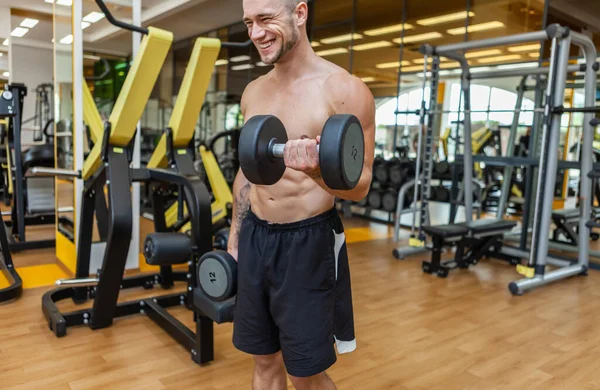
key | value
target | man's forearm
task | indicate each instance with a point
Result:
(241, 205)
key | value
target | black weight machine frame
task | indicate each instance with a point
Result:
(104, 289)
(15, 288)
(19, 221)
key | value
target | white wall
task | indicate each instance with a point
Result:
(30, 66)
(4, 33)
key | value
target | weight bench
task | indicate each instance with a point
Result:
(474, 240)
(567, 225)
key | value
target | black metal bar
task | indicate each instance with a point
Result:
(15, 289)
(399, 77)
(119, 237)
(562, 110)
(204, 340)
(18, 177)
(181, 333)
(233, 45)
(352, 30)
(17, 246)
(84, 236)
(118, 23)
(101, 211)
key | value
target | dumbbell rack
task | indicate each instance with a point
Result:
(417, 242)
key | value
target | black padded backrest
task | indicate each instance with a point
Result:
(38, 156)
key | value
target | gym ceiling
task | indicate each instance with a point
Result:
(376, 54)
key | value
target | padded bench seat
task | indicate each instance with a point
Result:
(490, 225)
(572, 214)
(474, 240)
(446, 231)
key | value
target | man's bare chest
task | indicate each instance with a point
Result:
(303, 113)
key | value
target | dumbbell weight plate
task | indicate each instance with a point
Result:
(258, 166)
(217, 275)
(342, 152)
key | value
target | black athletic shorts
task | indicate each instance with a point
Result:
(294, 292)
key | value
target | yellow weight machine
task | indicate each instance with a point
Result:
(180, 133)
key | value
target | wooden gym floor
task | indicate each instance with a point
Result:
(414, 331)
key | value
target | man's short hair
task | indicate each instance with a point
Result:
(291, 4)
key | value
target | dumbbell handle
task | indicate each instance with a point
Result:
(277, 149)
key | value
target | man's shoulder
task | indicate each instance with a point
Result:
(342, 87)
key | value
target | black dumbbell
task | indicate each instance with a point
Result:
(390, 200)
(217, 275)
(221, 238)
(341, 151)
(375, 198)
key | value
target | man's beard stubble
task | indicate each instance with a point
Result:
(289, 45)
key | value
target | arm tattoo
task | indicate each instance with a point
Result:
(242, 203)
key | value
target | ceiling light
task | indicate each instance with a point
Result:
(450, 65)
(483, 53)
(444, 18)
(29, 23)
(85, 25)
(67, 3)
(372, 45)
(516, 49)
(5, 43)
(339, 50)
(518, 66)
(67, 40)
(315, 44)
(341, 38)
(239, 58)
(19, 32)
(6, 74)
(221, 62)
(93, 17)
(242, 67)
(476, 28)
(368, 79)
(412, 68)
(499, 58)
(387, 30)
(1, 54)
(429, 59)
(419, 37)
(480, 69)
(91, 57)
(262, 64)
(534, 55)
(388, 65)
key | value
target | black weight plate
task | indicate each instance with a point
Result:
(257, 164)
(342, 152)
(217, 275)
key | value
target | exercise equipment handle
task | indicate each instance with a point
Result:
(118, 23)
(278, 150)
(82, 282)
(234, 44)
(43, 171)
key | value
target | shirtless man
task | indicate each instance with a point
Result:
(294, 300)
